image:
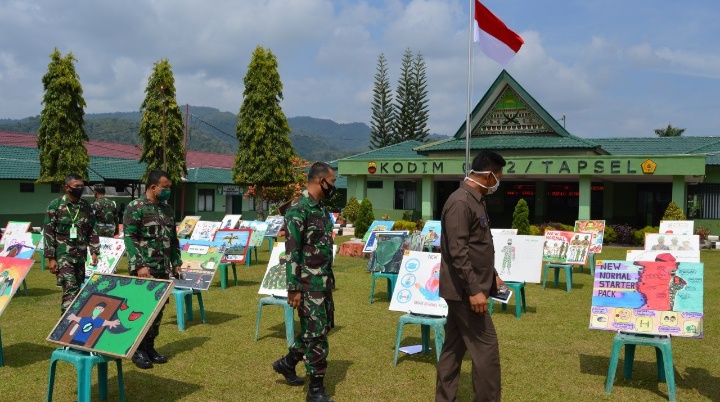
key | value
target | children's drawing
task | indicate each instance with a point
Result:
(200, 259)
(677, 227)
(671, 242)
(518, 258)
(566, 247)
(597, 229)
(204, 230)
(501, 232)
(13, 228)
(236, 244)
(651, 255)
(111, 314)
(389, 252)
(274, 225)
(378, 226)
(111, 251)
(371, 242)
(12, 274)
(259, 229)
(275, 280)
(230, 221)
(431, 233)
(185, 228)
(418, 284)
(19, 245)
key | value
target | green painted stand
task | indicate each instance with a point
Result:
(426, 322)
(391, 281)
(248, 255)
(663, 354)
(84, 362)
(183, 305)
(289, 316)
(518, 289)
(223, 268)
(557, 267)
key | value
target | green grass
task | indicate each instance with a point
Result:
(547, 355)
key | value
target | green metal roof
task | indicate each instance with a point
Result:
(116, 168)
(403, 150)
(22, 163)
(508, 142)
(655, 145)
(209, 175)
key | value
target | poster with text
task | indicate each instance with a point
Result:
(596, 229)
(566, 247)
(259, 229)
(111, 251)
(662, 297)
(519, 258)
(418, 285)
(274, 282)
(431, 233)
(19, 245)
(205, 230)
(274, 225)
(389, 252)
(378, 226)
(12, 275)
(230, 221)
(199, 263)
(677, 227)
(371, 242)
(111, 314)
(499, 232)
(14, 227)
(651, 255)
(185, 228)
(665, 242)
(236, 243)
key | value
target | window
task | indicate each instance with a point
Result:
(374, 184)
(206, 200)
(251, 204)
(405, 192)
(27, 187)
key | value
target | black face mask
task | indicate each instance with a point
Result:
(77, 192)
(329, 191)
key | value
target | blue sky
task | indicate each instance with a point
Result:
(613, 68)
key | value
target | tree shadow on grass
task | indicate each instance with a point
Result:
(337, 371)
(644, 374)
(26, 353)
(701, 380)
(35, 292)
(278, 331)
(183, 345)
(215, 317)
(141, 386)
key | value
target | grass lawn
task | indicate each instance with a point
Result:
(547, 355)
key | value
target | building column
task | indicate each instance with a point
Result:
(679, 192)
(585, 197)
(608, 190)
(428, 197)
(540, 202)
(357, 186)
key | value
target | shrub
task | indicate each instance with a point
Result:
(702, 232)
(410, 226)
(534, 231)
(610, 235)
(520, 218)
(639, 235)
(624, 233)
(674, 213)
(351, 210)
(364, 219)
(543, 227)
(407, 215)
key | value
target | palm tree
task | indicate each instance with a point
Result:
(670, 131)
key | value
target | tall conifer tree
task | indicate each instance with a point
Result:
(382, 108)
(403, 119)
(419, 130)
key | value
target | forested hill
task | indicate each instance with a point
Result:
(211, 130)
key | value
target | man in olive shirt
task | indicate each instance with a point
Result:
(467, 280)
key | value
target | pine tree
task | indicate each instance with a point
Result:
(364, 219)
(382, 108)
(673, 213)
(403, 119)
(521, 220)
(419, 130)
(61, 135)
(265, 153)
(161, 125)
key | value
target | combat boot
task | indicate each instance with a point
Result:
(141, 359)
(287, 370)
(153, 354)
(316, 392)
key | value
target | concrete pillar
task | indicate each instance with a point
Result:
(428, 197)
(679, 192)
(357, 186)
(585, 197)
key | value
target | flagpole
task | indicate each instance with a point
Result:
(469, 87)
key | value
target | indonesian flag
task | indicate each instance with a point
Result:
(496, 40)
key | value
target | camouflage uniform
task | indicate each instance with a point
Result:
(151, 241)
(61, 216)
(104, 216)
(309, 255)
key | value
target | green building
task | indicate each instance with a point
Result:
(562, 177)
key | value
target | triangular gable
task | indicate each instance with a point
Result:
(507, 109)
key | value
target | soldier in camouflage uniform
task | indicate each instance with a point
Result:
(310, 280)
(69, 233)
(104, 212)
(153, 250)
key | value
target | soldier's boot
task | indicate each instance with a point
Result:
(286, 367)
(153, 354)
(316, 392)
(141, 358)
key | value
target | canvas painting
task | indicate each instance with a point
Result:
(275, 281)
(677, 227)
(378, 226)
(566, 247)
(236, 244)
(660, 297)
(371, 242)
(651, 255)
(205, 230)
(258, 235)
(19, 245)
(418, 285)
(12, 275)
(200, 259)
(596, 229)
(431, 233)
(506, 232)
(111, 314)
(671, 242)
(519, 258)
(416, 241)
(274, 225)
(187, 225)
(111, 251)
(38, 239)
(13, 228)
(389, 252)
(230, 221)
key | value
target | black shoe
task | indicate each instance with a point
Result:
(141, 359)
(282, 367)
(317, 394)
(153, 354)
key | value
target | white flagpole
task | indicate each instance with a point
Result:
(471, 19)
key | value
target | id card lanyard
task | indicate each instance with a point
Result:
(73, 228)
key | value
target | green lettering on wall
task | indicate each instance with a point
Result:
(614, 166)
(582, 165)
(599, 166)
(547, 165)
(564, 168)
(412, 167)
(437, 167)
(424, 167)
(397, 167)
(630, 169)
(383, 167)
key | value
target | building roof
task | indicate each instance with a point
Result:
(22, 163)
(209, 175)
(689, 145)
(508, 142)
(403, 150)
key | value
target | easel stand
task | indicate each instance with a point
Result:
(663, 353)
(426, 322)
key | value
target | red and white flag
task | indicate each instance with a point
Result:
(496, 40)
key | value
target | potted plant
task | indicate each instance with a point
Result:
(340, 220)
(703, 233)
